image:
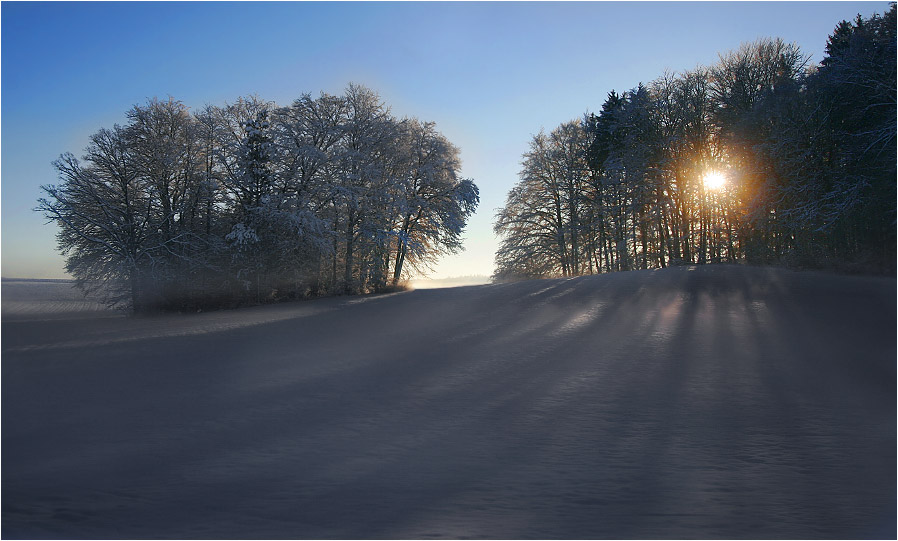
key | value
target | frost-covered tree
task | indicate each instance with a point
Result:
(818, 156)
(307, 134)
(104, 213)
(809, 156)
(368, 131)
(434, 203)
(251, 202)
(529, 229)
(162, 136)
(541, 221)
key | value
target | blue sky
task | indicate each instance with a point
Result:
(489, 74)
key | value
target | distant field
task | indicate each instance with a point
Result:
(46, 298)
(452, 281)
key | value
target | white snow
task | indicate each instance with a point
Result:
(719, 402)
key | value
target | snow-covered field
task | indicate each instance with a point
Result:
(45, 299)
(712, 402)
(454, 281)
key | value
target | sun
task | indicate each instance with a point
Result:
(714, 180)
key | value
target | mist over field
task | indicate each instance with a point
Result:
(452, 281)
(28, 298)
(691, 402)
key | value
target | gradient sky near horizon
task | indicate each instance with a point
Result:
(490, 74)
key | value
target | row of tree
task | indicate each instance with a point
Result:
(758, 158)
(251, 201)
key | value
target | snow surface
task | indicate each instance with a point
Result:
(710, 402)
(43, 299)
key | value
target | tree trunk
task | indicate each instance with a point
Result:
(400, 250)
(136, 300)
(347, 272)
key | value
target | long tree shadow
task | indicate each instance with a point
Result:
(660, 404)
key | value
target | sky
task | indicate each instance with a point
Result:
(490, 74)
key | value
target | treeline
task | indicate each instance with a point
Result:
(758, 158)
(252, 202)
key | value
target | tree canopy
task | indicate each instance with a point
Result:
(252, 201)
